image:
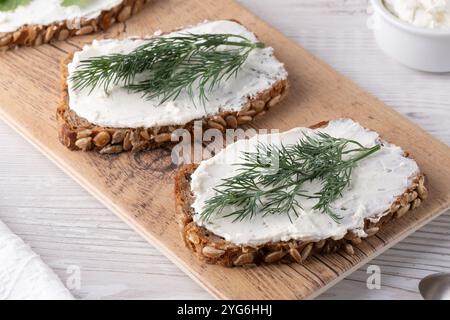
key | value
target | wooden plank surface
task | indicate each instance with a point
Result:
(318, 101)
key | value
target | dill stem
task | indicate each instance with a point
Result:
(253, 45)
(367, 153)
(311, 177)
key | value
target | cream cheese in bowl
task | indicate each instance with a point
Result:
(414, 32)
(432, 14)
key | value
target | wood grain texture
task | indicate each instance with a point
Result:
(302, 64)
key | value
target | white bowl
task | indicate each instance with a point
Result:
(418, 48)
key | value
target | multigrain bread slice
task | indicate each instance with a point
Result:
(77, 133)
(214, 249)
(34, 35)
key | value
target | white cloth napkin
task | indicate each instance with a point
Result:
(23, 275)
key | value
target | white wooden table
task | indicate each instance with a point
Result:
(67, 226)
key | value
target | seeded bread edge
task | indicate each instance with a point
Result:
(76, 133)
(213, 249)
(35, 35)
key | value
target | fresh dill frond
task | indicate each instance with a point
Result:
(169, 66)
(10, 5)
(258, 188)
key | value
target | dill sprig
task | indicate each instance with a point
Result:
(262, 187)
(168, 65)
(9, 5)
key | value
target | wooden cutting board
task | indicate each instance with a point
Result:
(139, 187)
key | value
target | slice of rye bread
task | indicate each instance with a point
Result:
(214, 249)
(77, 133)
(34, 35)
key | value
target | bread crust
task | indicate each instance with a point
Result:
(214, 249)
(77, 133)
(34, 35)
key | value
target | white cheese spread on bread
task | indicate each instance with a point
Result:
(118, 107)
(375, 184)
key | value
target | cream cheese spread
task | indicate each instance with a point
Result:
(45, 12)
(432, 14)
(375, 183)
(120, 108)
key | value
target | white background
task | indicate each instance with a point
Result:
(67, 226)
